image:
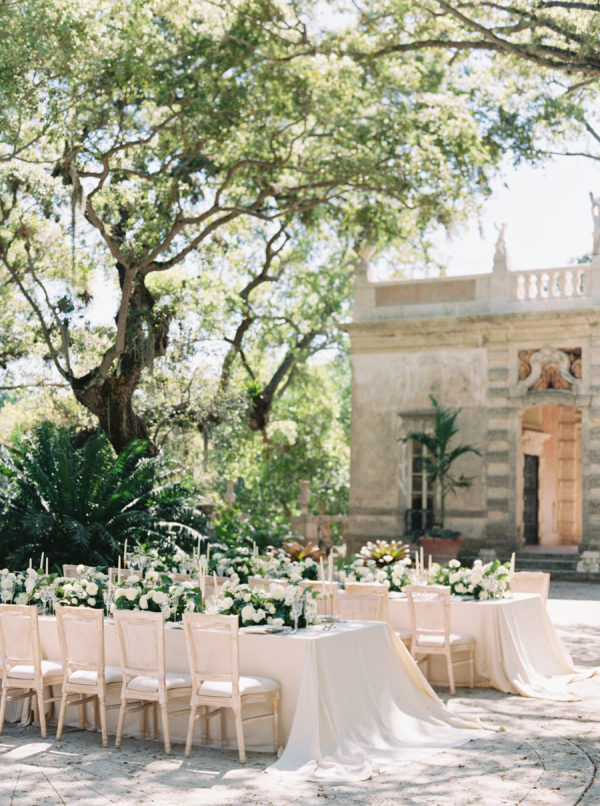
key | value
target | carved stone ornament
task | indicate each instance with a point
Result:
(549, 368)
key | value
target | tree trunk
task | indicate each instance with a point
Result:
(111, 399)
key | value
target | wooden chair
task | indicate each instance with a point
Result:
(116, 575)
(358, 606)
(213, 652)
(146, 682)
(86, 678)
(429, 610)
(26, 673)
(372, 588)
(71, 572)
(531, 582)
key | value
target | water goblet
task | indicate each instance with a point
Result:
(44, 598)
(297, 608)
(165, 609)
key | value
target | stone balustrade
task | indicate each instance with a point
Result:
(563, 288)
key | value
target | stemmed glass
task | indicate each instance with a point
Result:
(44, 598)
(107, 597)
(297, 608)
(165, 609)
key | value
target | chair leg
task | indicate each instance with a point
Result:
(3, 707)
(121, 722)
(164, 712)
(61, 714)
(82, 716)
(97, 712)
(239, 732)
(143, 722)
(450, 672)
(276, 724)
(42, 712)
(190, 730)
(51, 707)
(155, 720)
(101, 710)
(472, 668)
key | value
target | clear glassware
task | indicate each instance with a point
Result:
(44, 600)
(297, 607)
(165, 610)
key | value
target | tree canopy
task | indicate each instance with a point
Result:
(218, 163)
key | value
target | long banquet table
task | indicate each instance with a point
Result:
(517, 649)
(353, 701)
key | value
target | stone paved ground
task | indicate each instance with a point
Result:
(548, 754)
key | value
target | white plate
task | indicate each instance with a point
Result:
(265, 629)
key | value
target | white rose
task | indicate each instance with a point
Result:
(276, 591)
(132, 578)
(247, 597)
(91, 601)
(80, 569)
(160, 597)
(277, 622)
(92, 588)
(21, 599)
(74, 601)
(484, 595)
(259, 615)
(247, 613)
(131, 593)
(226, 603)
(143, 602)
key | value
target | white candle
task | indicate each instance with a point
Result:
(512, 563)
(42, 561)
(30, 563)
(125, 554)
(429, 563)
(198, 545)
(422, 558)
(321, 568)
(207, 552)
(119, 566)
(46, 566)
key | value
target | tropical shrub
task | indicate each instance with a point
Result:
(78, 503)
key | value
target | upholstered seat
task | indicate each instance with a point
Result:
(147, 683)
(27, 672)
(88, 677)
(438, 640)
(247, 685)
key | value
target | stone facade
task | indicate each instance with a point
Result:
(515, 351)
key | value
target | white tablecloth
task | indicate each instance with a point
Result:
(517, 650)
(352, 699)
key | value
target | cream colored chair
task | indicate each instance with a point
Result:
(71, 572)
(86, 677)
(26, 673)
(429, 610)
(372, 588)
(531, 582)
(146, 682)
(358, 606)
(116, 575)
(177, 577)
(213, 653)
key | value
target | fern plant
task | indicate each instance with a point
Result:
(78, 503)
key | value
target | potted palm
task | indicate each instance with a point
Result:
(438, 463)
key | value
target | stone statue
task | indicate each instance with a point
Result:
(595, 200)
(501, 257)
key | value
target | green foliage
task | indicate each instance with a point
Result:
(439, 461)
(78, 503)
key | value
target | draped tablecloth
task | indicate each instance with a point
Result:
(517, 649)
(353, 701)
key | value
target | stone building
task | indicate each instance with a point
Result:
(519, 353)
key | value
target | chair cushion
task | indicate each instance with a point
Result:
(174, 680)
(85, 677)
(438, 640)
(248, 685)
(25, 671)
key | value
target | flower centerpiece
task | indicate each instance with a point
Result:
(157, 593)
(272, 605)
(294, 562)
(382, 561)
(231, 561)
(87, 590)
(482, 581)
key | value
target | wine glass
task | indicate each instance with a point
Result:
(165, 609)
(107, 597)
(297, 608)
(44, 599)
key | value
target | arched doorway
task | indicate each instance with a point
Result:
(550, 475)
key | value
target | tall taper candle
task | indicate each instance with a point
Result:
(125, 554)
(42, 561)
(46, 566)
(512, 563)
(322, 568)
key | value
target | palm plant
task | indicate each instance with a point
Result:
(79, 503)
(440, 457)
